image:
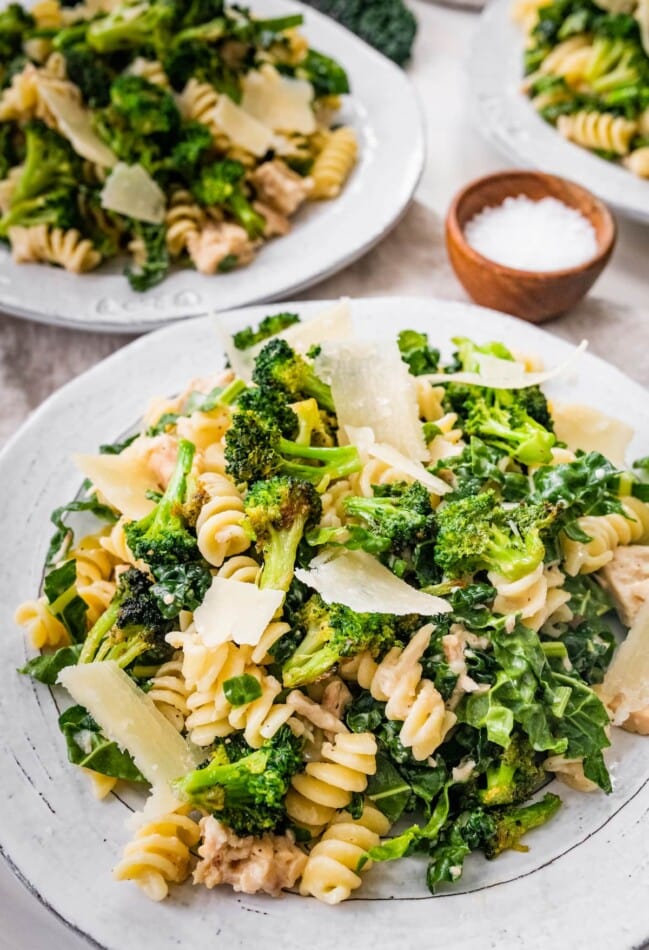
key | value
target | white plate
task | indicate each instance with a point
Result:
(326, 235)
(568, 891)
(507, 118)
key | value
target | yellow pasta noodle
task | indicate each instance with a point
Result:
(607, 532)
(169, 691)
(600, 130)
(67, 249)
(536, 597)
(331, 872)
(43, 629)
(328, 785)
(184, 217)
(334, 164)
(159, 854)
(219, 527)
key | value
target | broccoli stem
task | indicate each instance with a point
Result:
(513, 823)
(339, 461)
(279, 556)
(102, 626)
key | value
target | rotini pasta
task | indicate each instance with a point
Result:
(606, 533)
(331, 872)
(159, 854)
(536, 597)
(219, 527)
(334, 164)
(68, 249)
(169, 691)
(43, 629)
(184, 218)
(599, 130)
(260, 719)
(328, 785)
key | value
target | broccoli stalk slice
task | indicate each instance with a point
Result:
(161, 535)
(280, 552)
(512, 823)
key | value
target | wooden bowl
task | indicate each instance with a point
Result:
(533, 295)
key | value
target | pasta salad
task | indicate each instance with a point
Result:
(171, 132)
(347, 601)
(587, 73)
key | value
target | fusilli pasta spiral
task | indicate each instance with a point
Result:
(607, 532)
(334, 164)
(43, 629)
(67, 249)
(599, 130)
(219, 527)
(331, 872)
(184, 217)
(169, 692)
(537, 597)
(261, 718)
(328, 785)
(159, 854)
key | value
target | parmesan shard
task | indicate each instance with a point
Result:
(360, 582)
(122, 480)
(505, 374)
(334, 323)
(130, 718)
(233, 610)
(625, 688)
(582, 427)
(131, 191)
(371, 387)
(74, 122)
(365, 442)
(279, 102)
(242, 128)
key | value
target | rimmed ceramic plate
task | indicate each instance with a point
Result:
(508, 120)
(582, 884)
(326, 235)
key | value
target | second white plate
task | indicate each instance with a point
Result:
(508, 120)
(326, 236)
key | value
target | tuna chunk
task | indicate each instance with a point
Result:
(219, 244)
(249, 865)
(280, 187)
(626, 576)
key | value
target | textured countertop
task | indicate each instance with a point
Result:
(35, 360)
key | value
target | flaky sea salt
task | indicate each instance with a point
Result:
(544, 235)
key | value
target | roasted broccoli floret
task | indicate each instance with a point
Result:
(131, 27)
(9, 151)
(45, 192)
(161, 537)
(500, 418)
(278, 366)
(245, 788)
(221, 183)
(270, 405)
(515, 776)
(193, 143)
(15, 25)
(510, 824)
(154, 267)
(333, 632)
(131, 625)
(255, 449)
(89, 72)
(141, 123)
(401, 521)
(388, 25)
(417, 352)
(479, 534)
(269, 326)
(279, 511)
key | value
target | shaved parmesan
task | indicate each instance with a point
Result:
(334, 323)
(233, 610)
(130, 718)
(371, 386)
(281, 103)
(582, 427)
(360, 582)
(122, 480)
(75, 122)
(626, 685)
(363, 439)
(130, 190)
(505, 374)
(241, 128)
